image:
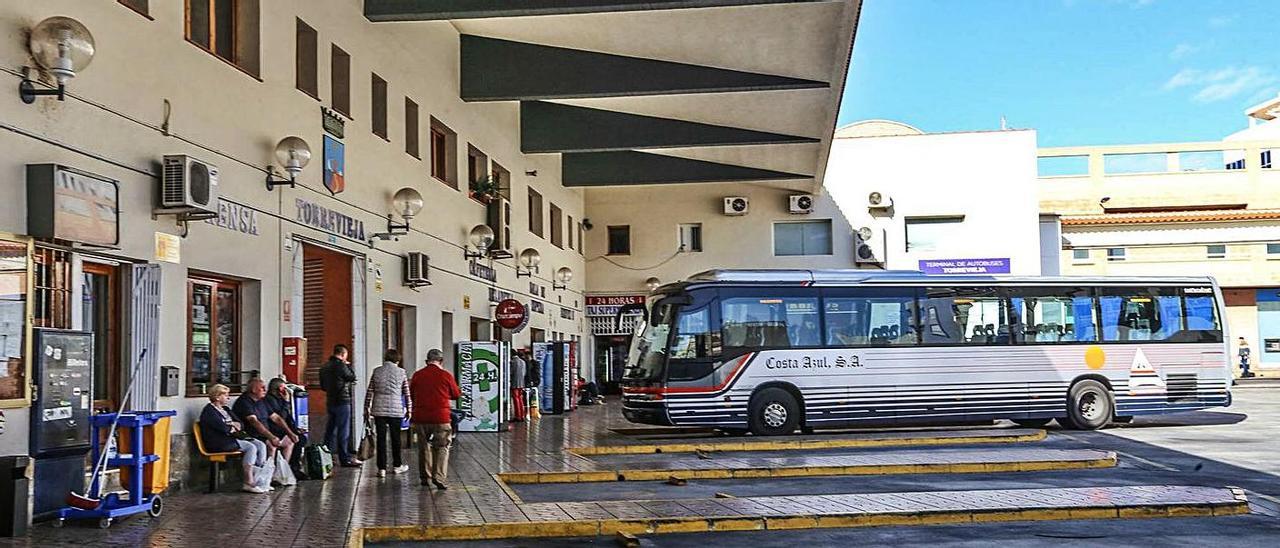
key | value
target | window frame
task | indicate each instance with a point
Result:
(236, 42)
(306, 32)
(1114, 257)
(144, 10)
(557, 225)
(444, 153)
(1211, 254)
(378, 108)
(907, 222)
(411, 129)
(693, 238)
(609, 249)
(534, 203)
(830, 227)
(1272, 250)
(340, 80)
(215, 283)
(1077, 259)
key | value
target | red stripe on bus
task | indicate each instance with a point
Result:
(693, 389)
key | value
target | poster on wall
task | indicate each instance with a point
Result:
(482, 381)
(335, 165)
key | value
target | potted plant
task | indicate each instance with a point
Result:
(485, 190)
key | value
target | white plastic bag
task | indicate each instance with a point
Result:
(283, 474)
(262, 474)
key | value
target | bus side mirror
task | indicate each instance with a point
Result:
(626, 309)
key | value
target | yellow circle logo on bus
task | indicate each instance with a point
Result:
(1094, 357)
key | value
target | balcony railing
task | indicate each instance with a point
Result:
(1107, 161)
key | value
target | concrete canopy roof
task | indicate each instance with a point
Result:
(747, 83)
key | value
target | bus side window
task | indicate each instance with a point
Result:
(1049, 315)
(778, 322)
(876, 318)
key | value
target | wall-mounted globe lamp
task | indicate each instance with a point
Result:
(480, 239)
(293, 154)
(564, 275)
(62, 46)
(529, 259)
(652, 283)
(406, 203)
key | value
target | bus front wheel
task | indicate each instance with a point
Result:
(1089, 405)
(774, 412)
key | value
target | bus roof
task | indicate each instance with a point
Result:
(861, 276)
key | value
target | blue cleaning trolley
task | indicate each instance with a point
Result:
(136, 500)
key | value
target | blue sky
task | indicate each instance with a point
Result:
(1081, 72)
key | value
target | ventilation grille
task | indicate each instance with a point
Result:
(173, 188)
(1182, 387)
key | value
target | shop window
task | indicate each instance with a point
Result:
(340, 80)
(213, 343)
(228, 29)
(620, 240)
(444, 153)
(141, 6)
(802, 238)
(411, 128)
(557, 227)
(307, 78)
(378, 107)
(1217, 251)
(535, 212)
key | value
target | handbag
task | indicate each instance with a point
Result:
(367, 442)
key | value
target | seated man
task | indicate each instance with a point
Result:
(278, 402)
(252, 406)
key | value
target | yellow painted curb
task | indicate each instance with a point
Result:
(589, 528)
(1108, 461)
(790, 445)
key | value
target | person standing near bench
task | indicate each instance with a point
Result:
(431, 390)
(222, 433)
(388, 389)
(337, 379)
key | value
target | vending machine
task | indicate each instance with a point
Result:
(481, 374)
(62, 371)
(558, 375)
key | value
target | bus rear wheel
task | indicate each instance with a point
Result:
(774, 412)
(1089, 405)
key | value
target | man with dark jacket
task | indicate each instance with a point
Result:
(337, 379)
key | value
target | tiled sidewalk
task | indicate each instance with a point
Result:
(323, 513)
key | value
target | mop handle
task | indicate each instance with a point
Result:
(115, 421)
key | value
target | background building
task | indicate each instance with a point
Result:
(957, 203)
(1180, 209)
(498, 117)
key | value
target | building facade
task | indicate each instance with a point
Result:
(497, 118)
(1180, 209)
(942, 203)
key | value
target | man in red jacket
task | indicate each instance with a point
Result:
(432, 389)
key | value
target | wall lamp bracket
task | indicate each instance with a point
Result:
(28, 92)
(274, 181)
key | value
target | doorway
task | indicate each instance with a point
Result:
(446, 337)
(100, 314)
(326, 313)
(480, 329)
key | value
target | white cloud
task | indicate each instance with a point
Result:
(1182, 50)
(1222, 84)
(1219, 21)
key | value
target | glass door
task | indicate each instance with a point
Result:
(100, 310)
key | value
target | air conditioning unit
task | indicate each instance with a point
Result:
(864, 249)
(735, 205)
(416, 269)
(189, 184)
(799, 204)
(879, 202)
(500, 222)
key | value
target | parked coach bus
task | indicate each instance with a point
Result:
(771, 351)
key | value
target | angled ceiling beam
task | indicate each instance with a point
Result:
(503, 70)
(555, 127)
(641, 168)
(435, 10)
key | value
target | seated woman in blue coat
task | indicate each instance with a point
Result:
(222, 432)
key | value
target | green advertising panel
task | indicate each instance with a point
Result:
(482, 380)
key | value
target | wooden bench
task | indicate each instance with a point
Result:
(215, 459)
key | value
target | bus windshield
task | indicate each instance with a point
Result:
(649, 347)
